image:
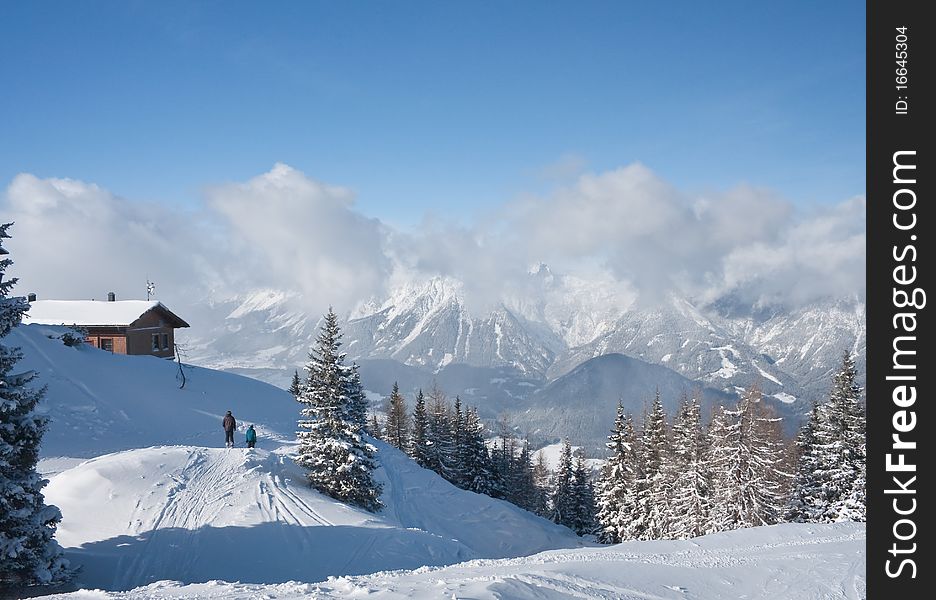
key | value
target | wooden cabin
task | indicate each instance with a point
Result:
(119, 326)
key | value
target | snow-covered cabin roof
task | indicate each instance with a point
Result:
(87, 313)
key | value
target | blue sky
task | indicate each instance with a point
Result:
(447, 107)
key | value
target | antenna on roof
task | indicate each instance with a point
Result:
(150, 289)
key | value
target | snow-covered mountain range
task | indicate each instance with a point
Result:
(550, 325)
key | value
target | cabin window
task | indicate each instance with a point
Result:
(107, 344)
(155, 342)
(165, 341)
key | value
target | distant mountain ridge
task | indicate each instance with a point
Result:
(534, 337)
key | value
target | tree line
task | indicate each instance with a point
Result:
(686, 480)
(665, 480)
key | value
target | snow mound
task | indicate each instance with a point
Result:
(792, 561)
(195, 514)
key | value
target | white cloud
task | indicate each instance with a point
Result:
(282, 229)
(301, 234)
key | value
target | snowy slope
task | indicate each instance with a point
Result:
(792, 562)
(249, 515)
(102, 402)
(197, 511)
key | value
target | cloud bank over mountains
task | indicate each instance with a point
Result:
(282, 229)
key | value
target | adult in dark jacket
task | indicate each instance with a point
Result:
(251, 436)
(229, 425)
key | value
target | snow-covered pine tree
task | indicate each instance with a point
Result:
(526, 495)
(541, 483)
(840, 452)
(502, 458)
(474, 459)
(296, 386)
(749, 460)
(440, 434)
(419, 448)
(397, 427)
(615, 489)
(691, 473)
(561, 502)
(28, 553)
(457, 427)
(356, 411)
(807, 501)
(846, 416)
(583, 497)
(654, 486)
(338, 460)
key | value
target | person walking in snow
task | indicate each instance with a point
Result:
(251, 437)
(229, 425)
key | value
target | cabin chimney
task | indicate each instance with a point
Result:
(111, 296)
(31, 298)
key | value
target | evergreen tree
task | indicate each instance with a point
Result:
(457, 427)
(296, 386)
(356, 411)
(333, 451)
(503, 459)
(541, 484)
(419, 443)
(476, 471)
(525, 494)
(807, 501)
(397, 429)
(749, 459)
(441, 449)
(691, 474)
(583, 497)
(28, 553)
(615, 494)
(843, 438)
(562, 502)
(654, 484)
(831, 474)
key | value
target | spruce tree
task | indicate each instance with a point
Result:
(397, 429)
(541, 484)
(654, 485)
(419, 448)
(615, 488)
(476, 469)
(843, 438)
(691, 474)
(583, 497)
(440, 444)
(807, 500)
(526, 495)
(296, 386)
(356, 411)
(562, 502)
(28, 553)
(457, 428)
(749, 459)
(338, 460)
(831, 474)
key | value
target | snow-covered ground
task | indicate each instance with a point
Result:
(161, 499)
(195, 514)
(151, 499)
(787, 562)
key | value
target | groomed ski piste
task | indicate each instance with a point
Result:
(155, 507)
